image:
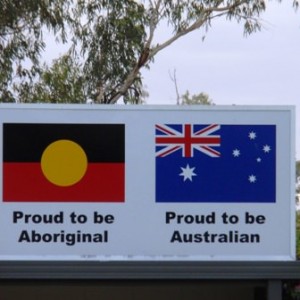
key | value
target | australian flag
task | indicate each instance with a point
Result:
(215, 163)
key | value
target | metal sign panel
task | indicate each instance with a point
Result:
(150, 183)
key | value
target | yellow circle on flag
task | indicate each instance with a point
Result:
(64, 162)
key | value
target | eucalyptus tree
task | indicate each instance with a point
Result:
(112, 39)
(21, 37)
(199, 99)
(117, 38)
(62, 82)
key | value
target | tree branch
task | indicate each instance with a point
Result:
(148, 53)
(144, 56)
(174, 79)
(196, 25)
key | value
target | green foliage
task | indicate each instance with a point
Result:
(65, 82)
(298, 168)
(202, 99)
(112, 40)
(298, 237)
(297, 176)
(62, 83)
(21, 38)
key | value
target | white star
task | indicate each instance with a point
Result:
(266, 148)
(252, 135)
(258, 159)
(252, 178)
(187, 173)
(236, 152)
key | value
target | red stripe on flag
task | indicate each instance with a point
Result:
(25, 182)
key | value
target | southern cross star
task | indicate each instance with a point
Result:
(187, 173)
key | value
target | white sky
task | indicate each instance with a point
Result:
(262, 69)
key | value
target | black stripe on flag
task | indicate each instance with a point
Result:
(26, 142)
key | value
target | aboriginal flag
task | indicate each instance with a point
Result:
(63, 162)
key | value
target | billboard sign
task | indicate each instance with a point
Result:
(133, 183)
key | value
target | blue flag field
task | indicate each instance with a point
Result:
(215, 163)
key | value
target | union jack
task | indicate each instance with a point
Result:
(187, 138)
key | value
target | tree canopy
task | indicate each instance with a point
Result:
(22, 24)
(298, 168)
(202, 99)
(110, 41)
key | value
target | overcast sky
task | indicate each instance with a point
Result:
(262, 69)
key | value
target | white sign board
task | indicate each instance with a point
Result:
(147, 183)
